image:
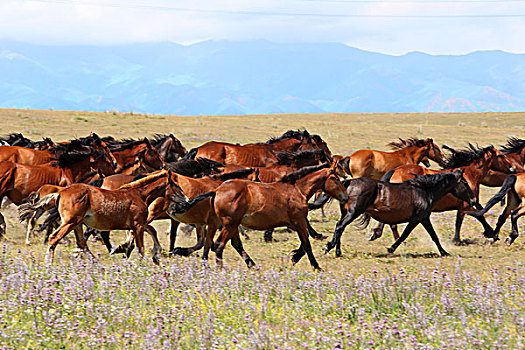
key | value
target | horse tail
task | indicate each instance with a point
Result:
(191, 154)
(182, 205)
(363, 221)
(388, 175)
(50, 222)
(508, 185)
(319, 202)
(33, 203)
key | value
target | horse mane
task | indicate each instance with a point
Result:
(158, 139)
(239, 173)
(17, 139)
(127, 144)
(191, 167)
(428, 181)
(290, 134)
(96, 183)
(69, 159)
(127, 166)
(289, 158)
(405, 143)
(296, 175)
(464, 157)
(144, 181)
(514, 145)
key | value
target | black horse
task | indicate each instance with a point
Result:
(410, 201)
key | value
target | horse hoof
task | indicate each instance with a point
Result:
(320, 237)
(444, 253)
(458, 242)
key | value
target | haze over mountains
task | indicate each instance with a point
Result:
(222, 77)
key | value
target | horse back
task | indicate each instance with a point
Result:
(22, 155)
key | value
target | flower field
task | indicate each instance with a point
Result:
(474, 299)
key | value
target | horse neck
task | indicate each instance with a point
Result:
(311, 183)
(438, 191)
(78, 170)
(290, 145)
(156, 187)
(413, 154)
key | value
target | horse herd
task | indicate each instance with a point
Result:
(108, 184)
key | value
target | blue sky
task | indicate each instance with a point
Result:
(394, 27)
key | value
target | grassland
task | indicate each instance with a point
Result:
(473, 299)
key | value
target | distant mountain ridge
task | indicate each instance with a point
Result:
(256, 77)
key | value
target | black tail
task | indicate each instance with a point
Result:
(49, 223)
(507, 186)
(320, 202)
(364, 220)
(182, 206)
(191, 154)
(388, 175)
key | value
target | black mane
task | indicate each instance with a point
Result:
(405, 143)
(428, 181)
(288, 158)
(514, 145)
(296, 175)
(17, 139)
(290, 134)
(464, 157)
(69, 159)
(125, 144)
(192, 168)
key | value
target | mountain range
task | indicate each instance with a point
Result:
(256, 77)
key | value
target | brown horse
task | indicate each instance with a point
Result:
(17, 139)
(475, 164)
(374, 164)
(514, 152)
(18, 181)
(122, 209)
(514, 188)
(264, 206)
(258, 154)
(127, 152)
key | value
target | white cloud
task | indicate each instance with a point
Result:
(119, 21)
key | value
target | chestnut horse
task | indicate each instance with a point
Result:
(18, 181)
(514, 152)
(475, 162)
(374, 164)
(262, 206)
(258, 154)
(410, 201)
(514, 188)
(122, 209)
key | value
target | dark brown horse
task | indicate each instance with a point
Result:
(514, 152)
(126, 208)
(126, 152)
(374, 164)
(17, 139)
(262, 206)
(169, 147)
(18, 181)
(475, 163)
(514, 188)
(258, 154)
(410, 201)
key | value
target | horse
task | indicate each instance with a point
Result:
(514, 188)
(258, 154)
(18, 181)
(122, 209)
(17, 139)
(198, 167)
(374, 164)
(410, 201)
(263, 206)
(514, 152)
(128, 151)
(169, 147)
(475, 162)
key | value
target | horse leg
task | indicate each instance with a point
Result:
(512, 203)
(395, 232)
(173, 234)
(157, 248)
(377, 231)
(516, 214)
(459, 221)
(313, 233)
(57, 235)
(237, 244)
(126, 247)
(81, 242)
(243, 232)
(268, 236)
(32, 223)
(345, 220)
(488, 231)
(2, 226)
(302, 231)
(430, 229)
(409, 228)
(106, 240)
(211, 228)
(201, 229)
(219, 246)
(138, 235)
